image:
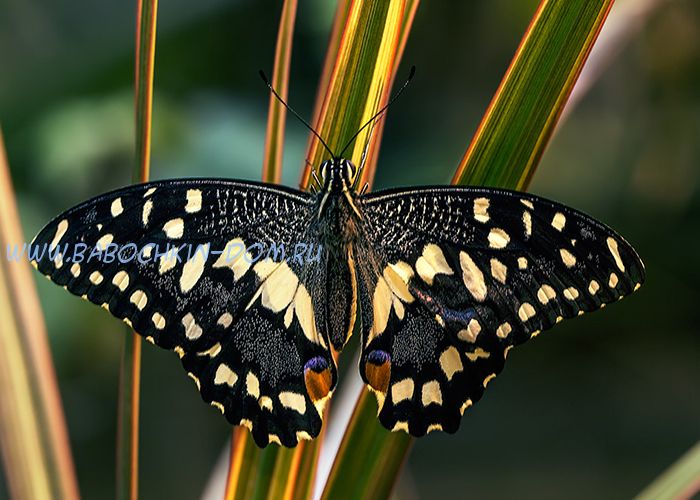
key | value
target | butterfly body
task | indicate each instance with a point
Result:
(444, 281)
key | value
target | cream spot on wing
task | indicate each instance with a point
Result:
(593, 287)
(192, 330)
(116, 208)
(489, 379)
(473, 277)
(464, 407)
(233, 257)
(403, 269)
(503, 330)
(381, 306)
(279, 288)
(149, 192)
(545, 294)
(507, 349)
(431, 393)
(174, 228)
(398, 286)
(121, 280)
(75, 270)
(218, 406)
(450, 362)
(481, 206)
(303, 308)
(225, 375)
(613, 281)
(147, 251)
(498, 238)
(527, 203)
(146, 213)
(526, 311)
(212, 352)
(615, 251)
(527, 222)
(139, 299)
(61, 229)
(559, 221)
(433, 427)
(191, 375)
(266, 404)
(499, 271)
(194, 201)
(303, 436)
(252, 385)
(58, 261)
(571, 293)
(478, 353)
(96, 278)
(402, 390)
(225, 320)
(400, 426)
(150, 340)
(193, 268)
(104, 241)
(471, 332)
(522, 263)
(274, 438)
(293, 401)
(158, 321)
(246, 423)
(289, 315)
(432, 262)
(637, 286)
(567, 257)
(167, 262)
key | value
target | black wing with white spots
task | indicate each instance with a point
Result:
(454, 277)
(245, 327)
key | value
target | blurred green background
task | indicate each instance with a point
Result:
(597, 407)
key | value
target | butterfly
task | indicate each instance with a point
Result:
(255, 286)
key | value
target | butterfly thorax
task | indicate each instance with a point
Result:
(338, 219)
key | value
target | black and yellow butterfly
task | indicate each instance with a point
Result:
(270, 279)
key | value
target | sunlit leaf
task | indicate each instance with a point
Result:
(33, 435)
(130, 371)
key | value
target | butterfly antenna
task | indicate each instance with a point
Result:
(381, 111)
(279, 98)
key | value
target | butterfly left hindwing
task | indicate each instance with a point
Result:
(454, 277)
(245, 329)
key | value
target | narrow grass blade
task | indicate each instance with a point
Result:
(341, 15)
(521, 117)
(681, 481)
(274, 139)
(130, 379)
(254, 478)
(245, 457)
(33, 436)
(384, 452)
(359, 81)
(370, 457)
(376, 139)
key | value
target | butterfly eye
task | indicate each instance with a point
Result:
(352, 170)
(324, 170)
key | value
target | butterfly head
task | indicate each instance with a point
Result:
(338, 175)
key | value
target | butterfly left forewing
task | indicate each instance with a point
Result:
(244, 328)
(457, 276)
